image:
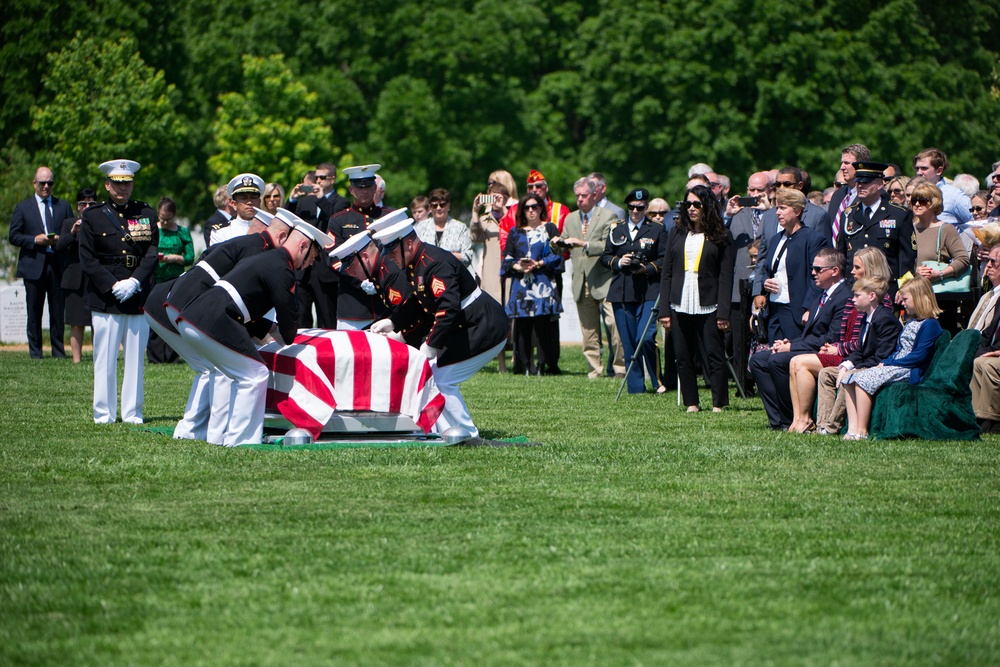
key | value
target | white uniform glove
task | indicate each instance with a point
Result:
(368, 287)
(429, 352)
(382, 327)
(124, 289)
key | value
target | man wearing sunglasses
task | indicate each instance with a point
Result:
(874, 221)
(34, 228)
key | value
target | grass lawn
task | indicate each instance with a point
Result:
(637, 535)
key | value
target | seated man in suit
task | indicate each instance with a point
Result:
(878, 337)
(986, 367)
(770, 367)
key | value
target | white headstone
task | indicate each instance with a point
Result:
(14, 315)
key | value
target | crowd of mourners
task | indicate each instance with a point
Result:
(815, 299)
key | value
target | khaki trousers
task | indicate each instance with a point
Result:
(831, 406)
(592, 312)
(986, 388)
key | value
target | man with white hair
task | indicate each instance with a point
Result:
(699, 168)
(967, 183)
(601, 186)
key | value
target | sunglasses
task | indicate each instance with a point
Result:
(45, 183)
(923, 201)
(896, 191)
(532, 207)
(784, 184)
(439, 204)
(637, 207)
(820, 269)
(537, 186)
(977, 209)
(323, 177)
(84, 204)
(992, 262)
(656, 214)
(689, 204)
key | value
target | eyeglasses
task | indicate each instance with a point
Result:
(323, 177)
(996, 178)
(992, 262)
(85, 204)
(637, 207)
(820, 269)
(656, 214)
(977, 209)
(922, 201)
(45, 183)
(439, 204)
(532, 207)
(784, 184)
(896, 191)
(689, 204)
(273, 195)
(538, 185)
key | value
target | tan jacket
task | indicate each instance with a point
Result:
(586, 261)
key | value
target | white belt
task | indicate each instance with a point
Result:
(207, 268)
(472, 297)
(237, 299)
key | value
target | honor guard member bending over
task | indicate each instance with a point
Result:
(468, 328)
(244, 194)
(355, 308)
(874, 221)
(222, 323)
(119, 255)
(206, 415)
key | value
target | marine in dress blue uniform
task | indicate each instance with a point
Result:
(118, 253)
(467, 327)
(222, 323)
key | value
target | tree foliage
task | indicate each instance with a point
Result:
(442, 94)
(272, 128)
(106, 103)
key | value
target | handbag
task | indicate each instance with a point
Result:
(956, 284)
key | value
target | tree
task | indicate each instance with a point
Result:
(273, 128)
(106, 103)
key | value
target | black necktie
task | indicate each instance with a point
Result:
(48, 215)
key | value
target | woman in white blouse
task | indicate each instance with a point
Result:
(695, 293)
(444, 231)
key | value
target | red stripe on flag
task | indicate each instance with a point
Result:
(400, 364)
(362, 370)
(430, 413)
(291, 411)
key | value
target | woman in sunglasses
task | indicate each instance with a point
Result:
(980, 204)
(941, 255)
(444, 231)
(534, 303)
(896, 189)
(695, 293)
(634, 253)
(274, 196)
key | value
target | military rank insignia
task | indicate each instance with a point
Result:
(395, 298)
(140, 230)
(437, 287)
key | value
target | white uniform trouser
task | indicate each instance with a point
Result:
(353, 325)
(249, 376)
(448, 378)
(206, 415)
(110, 333)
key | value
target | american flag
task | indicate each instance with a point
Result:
(324, 371)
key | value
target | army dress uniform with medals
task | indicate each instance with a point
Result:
(467, 327)
(206, 412)
(890, 229)
(222, 323)
(118, 253)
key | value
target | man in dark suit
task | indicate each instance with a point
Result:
(770, 367)
(846, 194)
(874, 221)
(34, 228)
(224, 214)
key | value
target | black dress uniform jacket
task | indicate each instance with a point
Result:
(185, 288)
(353, 303)
(626, 285)
(439, 282)
(890, 230)
(715, 273)
(216, 221)
(264, 282)
(394, 288)
(118, 242)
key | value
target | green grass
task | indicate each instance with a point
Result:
(638, 534)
